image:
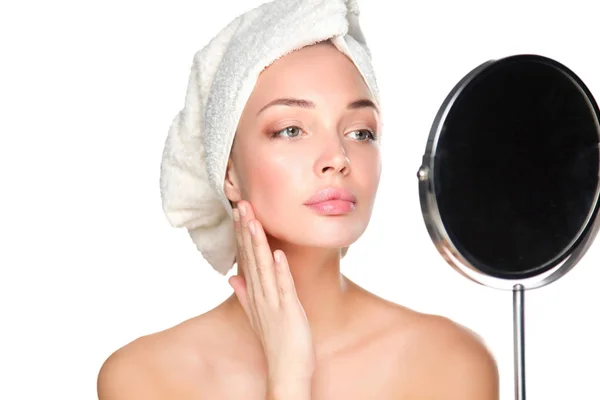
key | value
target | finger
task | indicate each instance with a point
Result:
(265, 265)
(242, 262)
(285, 281)
(252, 279)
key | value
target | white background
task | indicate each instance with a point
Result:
(88, 260)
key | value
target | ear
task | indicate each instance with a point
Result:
(232, 183)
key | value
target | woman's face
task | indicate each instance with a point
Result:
(286, 152)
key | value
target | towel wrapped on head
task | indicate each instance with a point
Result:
(222, 78)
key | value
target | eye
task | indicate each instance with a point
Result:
(363, 135)
(289, 132)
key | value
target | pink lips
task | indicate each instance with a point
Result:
(332, 201)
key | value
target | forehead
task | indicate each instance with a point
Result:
(318, 72)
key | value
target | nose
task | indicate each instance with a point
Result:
(333, 160)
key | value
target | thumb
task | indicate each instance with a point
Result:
(238, 284)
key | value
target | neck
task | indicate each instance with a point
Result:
(325, 294)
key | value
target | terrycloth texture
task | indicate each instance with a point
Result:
(222, 78)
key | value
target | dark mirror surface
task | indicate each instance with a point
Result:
(516, 166)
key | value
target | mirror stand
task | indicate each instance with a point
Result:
(519, 340)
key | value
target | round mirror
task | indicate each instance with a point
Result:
(509, 182)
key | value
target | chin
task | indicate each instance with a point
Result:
(325, 235)
(316, 230)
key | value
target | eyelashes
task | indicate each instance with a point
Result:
(370, 135)
(293, 132)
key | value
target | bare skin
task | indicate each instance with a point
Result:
(364, 347)
(387, 352)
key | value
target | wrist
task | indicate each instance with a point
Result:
(289, 390)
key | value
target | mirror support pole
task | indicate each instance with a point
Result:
(519, 340)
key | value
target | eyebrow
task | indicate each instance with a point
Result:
(291, 102)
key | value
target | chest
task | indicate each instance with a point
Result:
(372, 375)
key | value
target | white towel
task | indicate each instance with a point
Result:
(222, 77)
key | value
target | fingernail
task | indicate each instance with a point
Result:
(242, 210)
(236, 215)
(277, 257)
(252, 228)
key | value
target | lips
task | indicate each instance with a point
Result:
(332, 201)
(331, 194)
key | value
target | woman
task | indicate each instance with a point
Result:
(302, 176)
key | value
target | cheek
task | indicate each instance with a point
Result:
(366, 171)
(276, 182)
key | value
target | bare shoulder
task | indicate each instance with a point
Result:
(173, 363)
(455, 362)
(129, 373)
(435, 357)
